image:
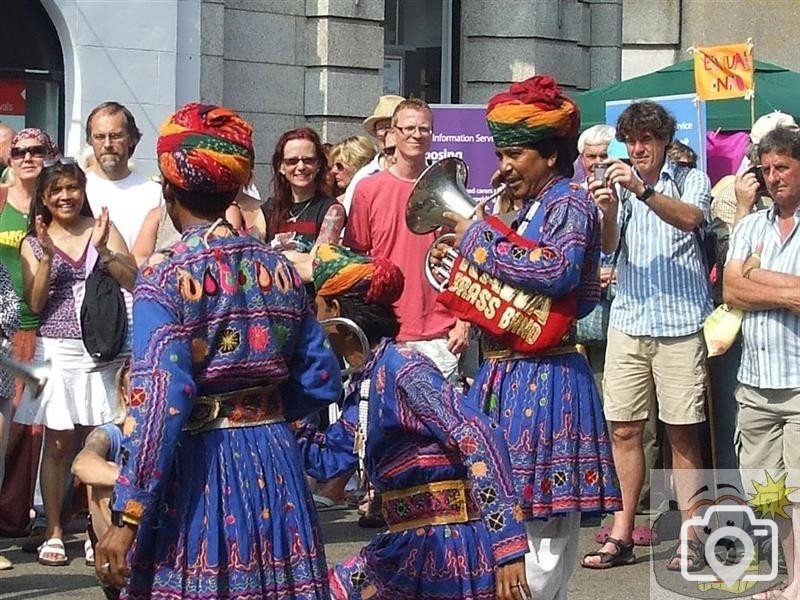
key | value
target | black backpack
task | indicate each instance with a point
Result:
(104, 318)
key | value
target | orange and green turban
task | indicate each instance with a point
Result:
(206, 148)
(532, 110)
(338, 271)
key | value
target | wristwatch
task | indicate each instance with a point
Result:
(120, 520)
(649, 190)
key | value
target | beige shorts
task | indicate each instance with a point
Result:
(768, 435)
(640, 368)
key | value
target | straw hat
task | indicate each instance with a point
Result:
(383, 110)
(770, 121)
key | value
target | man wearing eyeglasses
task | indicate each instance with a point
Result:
(377, 226)
(112, 133)
(379, 126)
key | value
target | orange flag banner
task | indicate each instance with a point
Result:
(722, 72)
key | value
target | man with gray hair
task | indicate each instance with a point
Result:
(592, 149)
(761, 277)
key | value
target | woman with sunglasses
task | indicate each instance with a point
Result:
(347, 157)
(29, 149)
(64, 244)
(300, 212)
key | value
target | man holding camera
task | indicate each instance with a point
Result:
(762, 277)
(655, 348)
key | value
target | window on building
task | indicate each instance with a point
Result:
(421, 49)
(31, 70)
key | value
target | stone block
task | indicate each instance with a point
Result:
(605, 66)
(211, 79)
(345, 44)
(651, 23)
(188, 78)
(263, 87)
(267, 129)
(335, 129)
(606, 24)
(280, 7)
(366, 10)
(260, 37)
(127, 76)
(640, 61)
(167, 75)
(329, 92)
(558, 19)
(127, 24)
(212, 29)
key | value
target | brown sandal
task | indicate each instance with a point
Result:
(623, 556)
(695, 559)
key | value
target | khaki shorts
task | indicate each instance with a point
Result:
(639, 368)
(768, 434)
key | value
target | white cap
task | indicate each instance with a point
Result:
(768, 122)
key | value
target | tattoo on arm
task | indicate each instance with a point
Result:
(332, 224)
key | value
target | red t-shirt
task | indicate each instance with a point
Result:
(377, 226)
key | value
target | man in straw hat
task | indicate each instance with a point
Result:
(543, 395)
(379, 126)
(226, 350)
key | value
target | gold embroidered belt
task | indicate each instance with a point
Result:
(241, 408)
(439, 503)
(509, 354)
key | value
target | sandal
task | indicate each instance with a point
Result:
(88, 553)
(5, 564)
(623, 556)
(695, 560)
(53, 547)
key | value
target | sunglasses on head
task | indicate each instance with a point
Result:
(64, 160)
(36, 151)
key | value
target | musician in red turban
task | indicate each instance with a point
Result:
(535, 382)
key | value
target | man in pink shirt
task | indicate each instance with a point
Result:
(377, 226)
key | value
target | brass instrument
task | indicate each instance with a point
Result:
(442, 188)
(34, 375)
(360, 335)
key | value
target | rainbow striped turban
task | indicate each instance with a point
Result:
(530, 111)
(206, 148)
(338, 271)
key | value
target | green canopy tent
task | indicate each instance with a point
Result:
(777, 88)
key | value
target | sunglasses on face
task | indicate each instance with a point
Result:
(35, 151)
(295, 160)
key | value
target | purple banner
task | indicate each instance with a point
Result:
(460, 130)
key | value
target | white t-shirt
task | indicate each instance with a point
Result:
(128, 200)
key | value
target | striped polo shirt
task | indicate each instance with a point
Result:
(771, 348)
(662, 284)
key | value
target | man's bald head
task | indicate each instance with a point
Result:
(6, 135)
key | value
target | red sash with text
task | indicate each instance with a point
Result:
(523, 322)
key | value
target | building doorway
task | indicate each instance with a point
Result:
(31, 70)
(421, 49)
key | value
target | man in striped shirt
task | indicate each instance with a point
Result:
(652, 206)
(762, 277)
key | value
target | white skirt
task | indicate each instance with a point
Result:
(79, 391)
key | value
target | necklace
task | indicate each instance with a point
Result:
(293, 217)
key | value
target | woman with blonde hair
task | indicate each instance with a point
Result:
(347, 157)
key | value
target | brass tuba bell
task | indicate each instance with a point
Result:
(34, 375)
(441, 188)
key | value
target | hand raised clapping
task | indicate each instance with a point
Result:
(102, 227)
(43, 236)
